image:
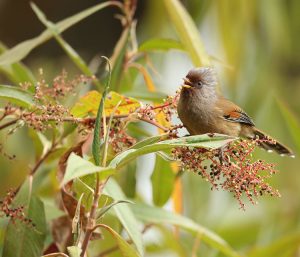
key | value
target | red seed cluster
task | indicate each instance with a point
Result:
(44, 116)
(60, 87)
(118, 138)
(14, 213)
(231, 169)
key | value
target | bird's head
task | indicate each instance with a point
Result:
(199, 78)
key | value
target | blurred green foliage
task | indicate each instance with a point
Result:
(254, 46)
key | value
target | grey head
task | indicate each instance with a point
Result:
(199, 78)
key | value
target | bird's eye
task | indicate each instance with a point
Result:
(200, 83)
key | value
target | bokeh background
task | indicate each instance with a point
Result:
(255, 47)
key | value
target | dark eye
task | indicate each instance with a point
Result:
(200, 83)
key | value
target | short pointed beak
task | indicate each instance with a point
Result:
(187, 83)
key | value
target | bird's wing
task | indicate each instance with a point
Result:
(233, 113)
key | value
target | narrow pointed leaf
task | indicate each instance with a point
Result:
(21, 50)
(124, 214)
(204, 141)
(187, 32)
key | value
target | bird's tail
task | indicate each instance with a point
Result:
(271, 145)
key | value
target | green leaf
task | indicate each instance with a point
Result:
(149, 141)
(187, 32)
(105, 209)
(156, 215)
(79, 167)
(291, 122)
(141, 94)
(160, 44)
(30, 239)
(21, 50)
(285, 246)
(124, 214)
(205, 141)
(16, 95)
(117, 59)
(98, 121)
(74, 251)
(74, 56)
(125, 248)
(162, 180)
(16, 72)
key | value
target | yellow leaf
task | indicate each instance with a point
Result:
(88, 104)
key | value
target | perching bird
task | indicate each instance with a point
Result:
(202, 110)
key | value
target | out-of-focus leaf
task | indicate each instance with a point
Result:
(156, 97)
(124, 214)
(156, 215)
(286, 246)
(70, 51)
(21, 50)
(162, 179)
(74, 251)
(204, 141)
(89, 103)
(291, 122)
(146, 76)
(16, 95)
(125, 248)
(78, 167)
(30, 240)
(16, 72)
(117, 59)
(187, 32)
(160, 44)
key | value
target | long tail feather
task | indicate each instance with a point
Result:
(273, 145)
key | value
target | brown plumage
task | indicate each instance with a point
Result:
(202, 110)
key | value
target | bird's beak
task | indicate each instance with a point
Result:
(187, 83)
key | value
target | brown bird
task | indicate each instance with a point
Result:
(202, 110)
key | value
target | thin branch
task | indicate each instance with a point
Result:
(12, 122)
(42, 159)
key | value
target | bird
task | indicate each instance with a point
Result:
(203, 110)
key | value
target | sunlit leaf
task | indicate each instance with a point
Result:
(160, 44)
(16, 95)
(21, 50)
(30, 239)
(187, 32)
(204, 141)
(156, 215)
(79, 167)
(162, 180)
(124, 214)
(88, 104)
